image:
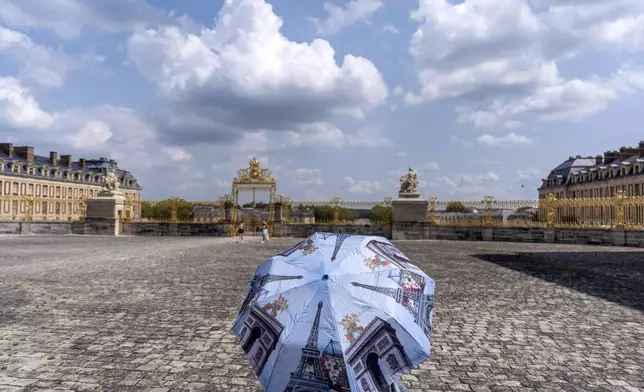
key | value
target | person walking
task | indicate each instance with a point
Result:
(240, 231)
(265, 237)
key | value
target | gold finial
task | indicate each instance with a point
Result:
(254, 163)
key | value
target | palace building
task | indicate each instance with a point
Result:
(55, 188)
(600, 176)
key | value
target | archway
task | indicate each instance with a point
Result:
(376, 372)
(253, 178)
(255, 334)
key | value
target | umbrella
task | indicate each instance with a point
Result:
(336, 312)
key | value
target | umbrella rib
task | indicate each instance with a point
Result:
(373, 305)
(306, 305)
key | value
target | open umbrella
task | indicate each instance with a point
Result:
(336, 312)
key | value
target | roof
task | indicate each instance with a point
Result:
(92, 166)
(589, 164)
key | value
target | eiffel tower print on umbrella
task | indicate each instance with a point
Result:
(336, 312)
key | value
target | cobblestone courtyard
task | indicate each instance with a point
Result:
(154, 314)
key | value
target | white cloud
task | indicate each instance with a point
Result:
(68, 18)
(389, 28)
(511, 139)
(529, 174)
(19, 109)
(340, 17)
(116, 132)
(219, 183)
(245, 65)
(363, 186)
(328, 135)
(93, 133)
(306, 176)
(506, 52)
(604, 24)
(469, 185)
(177, 154)
(466, 144)
(41, 66)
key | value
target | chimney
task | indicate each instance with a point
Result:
(641, 145)
(6, 148)
(53, 157)
(66, 160)
(599, 160)
(25, 152)
(81, 162)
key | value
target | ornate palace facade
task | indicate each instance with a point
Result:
(53, 188)
(600, 176)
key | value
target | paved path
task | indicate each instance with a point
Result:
(154, 314)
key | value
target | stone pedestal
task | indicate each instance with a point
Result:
(409, 219)
(106, 212)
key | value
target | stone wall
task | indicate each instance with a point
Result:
(538, 234)
(175, 229)
(401, 231)
(87, 227)
(305, 230)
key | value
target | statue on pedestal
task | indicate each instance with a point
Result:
(409, 185)
(110, 184)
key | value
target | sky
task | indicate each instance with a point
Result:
(337, 98)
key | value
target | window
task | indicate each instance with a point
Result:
(23, 189)
(46, 172)
(1, 165)
(15, 189)
(45, 208)
(68, 176)
(38, 190)
(64, 194)
(15, 167)
(37, 207)
(69, 192)
(30, 190)
(75, 193)
(58, 191)
(31, 171)
(0, 187)
(57, 174)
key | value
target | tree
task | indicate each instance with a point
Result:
(323, 213)
(380, 214)
(162, 210)
(346, 214)
(455, 206)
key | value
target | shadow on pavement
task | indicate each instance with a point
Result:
(614, 276)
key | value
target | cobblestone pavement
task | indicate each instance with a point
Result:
(154, 314)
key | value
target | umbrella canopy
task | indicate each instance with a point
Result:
(337, 312)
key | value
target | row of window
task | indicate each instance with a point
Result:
(600, 175)
(14, 188)
(629, 190)
(67, 175)
(16, 207)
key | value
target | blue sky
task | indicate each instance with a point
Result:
(337, 98)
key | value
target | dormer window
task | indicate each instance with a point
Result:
(68, 175)
(31, 171)
(15, 167)
(57, 173)
(1, 165)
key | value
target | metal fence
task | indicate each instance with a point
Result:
(620, 211)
